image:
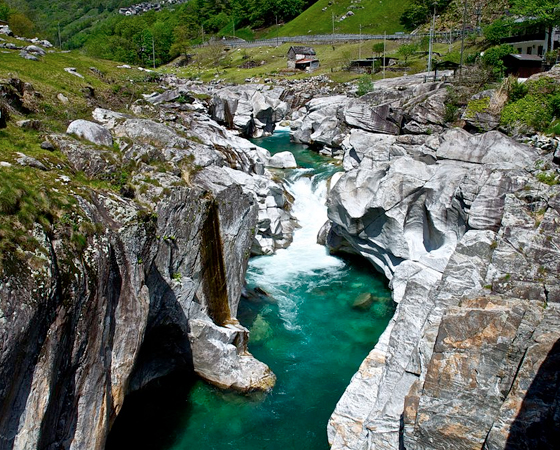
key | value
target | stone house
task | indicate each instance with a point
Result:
(302, 58)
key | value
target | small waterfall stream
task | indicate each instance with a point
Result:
(306, 330)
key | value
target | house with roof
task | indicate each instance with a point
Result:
(302, 58)
(523, 65)
(530, 38)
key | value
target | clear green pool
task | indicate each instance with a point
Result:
(307, 331)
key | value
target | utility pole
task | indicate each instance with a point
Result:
(233, 27)
(59, 38)
(360, 47)
(384, 48)
(478, 19)
(463, 38)
(431, 40)
(332, 28)
(153, 51)
(276, 15)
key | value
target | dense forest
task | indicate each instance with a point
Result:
(96, 26)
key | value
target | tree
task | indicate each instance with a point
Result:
(497, 30)
(406, 51)
(493, 59)
(545, 12)
(4, 11)
(414, 16)
(21, 25)
(418, 11)
(378, 48)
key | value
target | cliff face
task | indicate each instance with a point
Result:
(467, 235)
(149, 285)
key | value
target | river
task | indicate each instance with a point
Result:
(307, 331)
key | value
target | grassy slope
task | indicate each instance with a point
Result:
(376, 17)
(49, 78)
(28, 194)
(216, 62)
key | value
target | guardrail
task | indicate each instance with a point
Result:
(332, 38)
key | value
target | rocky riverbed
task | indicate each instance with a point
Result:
(465, 227)
(466, 231)
(152, 282)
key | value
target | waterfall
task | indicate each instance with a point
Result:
(298, 265)
(307, 331)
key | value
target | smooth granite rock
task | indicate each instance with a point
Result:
(462, 239)
(91, 131)
(252, 109)
(282, 160)
(152, 286)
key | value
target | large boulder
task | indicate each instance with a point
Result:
(476, 283)
(492, 148)
(91, 131)
(254, 110)
(319, 122)
(282, 160)
(375, 119)
(120, 292)
(35, 50)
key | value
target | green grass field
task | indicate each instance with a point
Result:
(376, 17)
(216, 61)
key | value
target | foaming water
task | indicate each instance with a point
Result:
(306, 330)
(304, 262)
(304, 256)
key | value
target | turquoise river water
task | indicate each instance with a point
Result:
(307, 332)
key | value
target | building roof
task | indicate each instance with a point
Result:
(447, 65)
(303, 50)
(521, 57)
(306, 60)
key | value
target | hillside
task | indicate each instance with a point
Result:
(374, 17)
(70, 16)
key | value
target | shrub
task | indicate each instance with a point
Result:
(493, 58)
(516, 90)
(451, 112)
(496, 31)
(549, 178)
(531, 110)
(542, 86)
(534, 105)
(365, 85)
(554, 129)
(554, 103)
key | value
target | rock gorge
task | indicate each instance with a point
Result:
(150, 284)
(467, 233)
(459, 223)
